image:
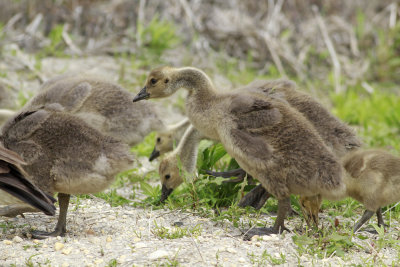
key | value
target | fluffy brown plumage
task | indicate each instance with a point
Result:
(64, 154)
(372, 177)
(284, 152)
(338, 136)
(103, 105)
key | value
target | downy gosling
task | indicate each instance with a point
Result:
(269, 139)
(372, 177)
(64, 154)
(186, 153)
(165, 140)
(105, 106)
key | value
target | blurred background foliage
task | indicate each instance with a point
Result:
(345, 53)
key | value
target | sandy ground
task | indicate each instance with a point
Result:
(101, 235)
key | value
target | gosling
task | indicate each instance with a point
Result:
(165, 140)
(64, 154)
(105, 106)
(186, 153)
(338, 136)
(270, 140)
(372, 177)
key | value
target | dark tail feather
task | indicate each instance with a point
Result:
(14, 183)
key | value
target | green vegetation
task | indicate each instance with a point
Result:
(157, 36)
(370, 104)
(267, 259)
(175, 232)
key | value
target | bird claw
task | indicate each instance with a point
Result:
(43, 234)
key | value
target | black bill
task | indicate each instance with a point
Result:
(155, 154)
(141, 95)
(165, 193)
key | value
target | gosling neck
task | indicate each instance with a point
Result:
(187, 148)
(195, 81)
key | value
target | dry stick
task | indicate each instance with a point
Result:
(12, 21)
(32, 27)
(331, 49)
(68, 41)
(393, 15)
(274, 55)
(139, 21)
(192, 19)
(352, 35)
(274, 14)
(274, 46)
(27, 65)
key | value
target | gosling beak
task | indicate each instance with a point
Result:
(141, 95)
(165, 193)
(155, 154)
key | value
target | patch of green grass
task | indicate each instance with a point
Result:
(112, 263)
(145, 148)
(327, 242)
(155, 37)
(110, 197)
(29, 262)
(175, 232)
(6, 226)
(375, 114)
(267, 259)
(56, 47)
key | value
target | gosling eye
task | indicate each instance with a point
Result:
(167, 176)
(153, 81)
(158, 139)
(166, 81)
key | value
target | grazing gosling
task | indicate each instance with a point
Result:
(269, 139)
(338, 136)
(105, 106)
(17, 188)
(165, 140)
(372, 177)
(186, 153)
(64, 154)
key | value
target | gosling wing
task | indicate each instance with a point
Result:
(251, 116)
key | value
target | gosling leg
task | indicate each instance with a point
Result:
(256, 198)
(380, 218)
(60, 230)
(279, 225)
(366, 216)
(283, 209)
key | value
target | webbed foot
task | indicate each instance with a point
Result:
(44, 234)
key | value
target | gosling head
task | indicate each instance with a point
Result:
(170, 175)
(158, 84)
(310, 207)
(164, 144)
